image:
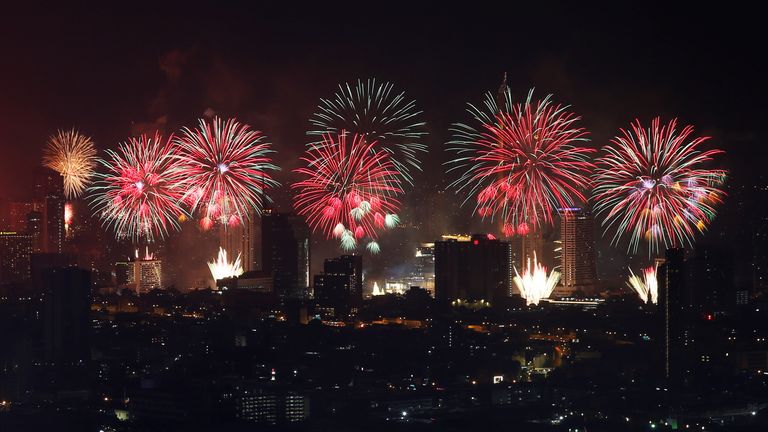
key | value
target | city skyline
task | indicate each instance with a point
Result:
(244, 216)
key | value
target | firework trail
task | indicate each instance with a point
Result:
(138, 195)
(522, 163)
(652, 185)
(72, 155)
(225, 170)
(377, 112)
(647, 286)
(348, 191)
(222, 268)
(535, 284)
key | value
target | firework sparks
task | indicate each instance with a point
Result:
(652, 185)
(524, 162)
(139, 194)
(647, 286)
(377, 112)
(69, 215)
(222, 268)
(348, 191)
(535, 284)
(225, 168)
(72, 155)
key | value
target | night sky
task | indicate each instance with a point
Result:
(117, 73)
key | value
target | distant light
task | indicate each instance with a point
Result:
(476, 242)
(405, 413)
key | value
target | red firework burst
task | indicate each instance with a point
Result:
(225, 170)
(349, 190)
(523, 164)
(139, 193)
(653, 185)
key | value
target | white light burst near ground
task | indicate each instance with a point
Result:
(222, 268)
(646, 284)
(535, 284)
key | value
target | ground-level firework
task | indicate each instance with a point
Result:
(645, 285)
(138, 193)
(72, 155)
(222, 268)
(378, 113)
(536, 283)
(225, 169)
(653, 185)
(522, 162)
(348, 191)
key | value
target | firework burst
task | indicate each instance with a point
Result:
(222, 268)
(536, 283)
(652, 185)
(523, 163)
(377, 112)
(138, 195)
(72, 155)
(647, 286)
(348, 190)
(225, 168)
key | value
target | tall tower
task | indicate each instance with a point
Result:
(677, 305)
(577, 254)
(66, 315)
(239, 240)
(49, 189)
(285, 252)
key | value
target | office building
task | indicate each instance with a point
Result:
(49, 189)
(676, 303)
(66, 315)
(15, 252)
(577, 252)
(140, 274)
(338, 289)
(478, 268)
(285, 252)
(240, 240)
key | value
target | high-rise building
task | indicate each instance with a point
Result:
(479, 268)
(339, 289)
(240, 240)
(18, 214)
(66, 315)
(49, 188)
(423, 274)
(285, 252)
(677, 306)
(141, 274)
(272, 406)
(35, 229)
(15, 252)
(42, 262)
(577, 251)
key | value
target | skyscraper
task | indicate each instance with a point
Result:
(66, 315)
(240, 240)
(35, 229)
(141, 274)
(15, 251)
(339, 289)
(49, 189)
(285, 252)
(475, 269)
(577, 253)
(677, 306)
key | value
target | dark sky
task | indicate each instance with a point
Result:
(112, 73)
